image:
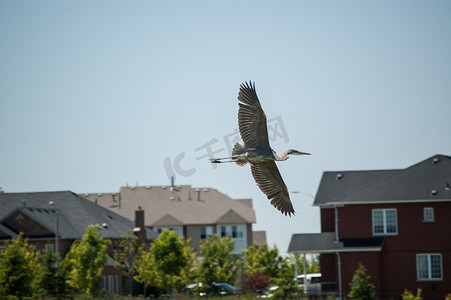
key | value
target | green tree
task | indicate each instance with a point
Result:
(51, 279)
(167, 264)
(361, 288)
(85, 261)
(125, 257)
(217, 262)
(260, 264)
(284, 280)
(18, 268)
(262, 258)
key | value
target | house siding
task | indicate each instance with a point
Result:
(327, 220)
(329, 273)
(393, 269)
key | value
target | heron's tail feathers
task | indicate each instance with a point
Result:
(237, 150)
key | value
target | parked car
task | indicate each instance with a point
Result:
(312, 284)
(218, 289)
(269, 292)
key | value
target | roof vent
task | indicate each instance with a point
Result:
(105, 225)
(172, 198)
(433, 192)
(339, 176)
(163, 187)
(447, 187)
(205, 190)
(435, 160)
(148, 187)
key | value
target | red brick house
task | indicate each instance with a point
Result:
(397, 223)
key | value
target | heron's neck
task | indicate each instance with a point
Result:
(284, 156)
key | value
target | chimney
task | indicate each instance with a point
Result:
(140, 229)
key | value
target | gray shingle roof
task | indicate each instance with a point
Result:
(429, 180)
(325, 243)
(75, 213)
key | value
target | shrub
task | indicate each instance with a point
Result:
(361, 289)
(409, 296)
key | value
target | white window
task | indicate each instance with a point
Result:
(237, 233)
(428, 214)
(179, 230)
(233, 231)
(111, 284)
(205, 231)
(429, 267)
(385, 222)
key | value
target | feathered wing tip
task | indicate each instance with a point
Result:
(270, 182)
(280, 202)
(248, 94)
(248, 85)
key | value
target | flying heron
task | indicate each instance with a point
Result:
(257, 152)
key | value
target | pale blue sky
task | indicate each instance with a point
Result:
(98, 94)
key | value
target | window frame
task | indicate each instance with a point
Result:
(384, 221)
(176, 229)
(429, 267)
(236, 232)
(431, 209)
(208, 231)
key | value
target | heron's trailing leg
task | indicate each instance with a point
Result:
(240, 159)
(223, 160)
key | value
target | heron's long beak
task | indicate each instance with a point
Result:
(300, 153)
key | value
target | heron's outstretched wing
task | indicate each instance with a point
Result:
(251, 118)
(269, 180)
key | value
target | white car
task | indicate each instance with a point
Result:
(312, 284)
